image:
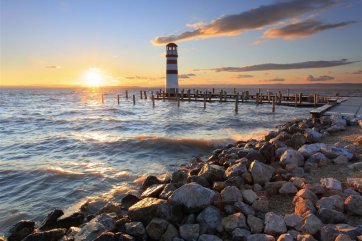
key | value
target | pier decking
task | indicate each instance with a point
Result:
(351, 106)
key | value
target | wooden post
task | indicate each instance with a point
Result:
(257, 98)
(213, 90)
(205, 100)
(261, 98)
(141, 95)
(102, 98)
(273, 104)
(225, 95)
(280, 97)
(220, 96)
(127, 94)
(234, 91)
(288, 93)
(118, 99)
(300, 98)
(296, 100)
(237, 103)
(268, 93)
(153, 101)
(134, 99)
(210, 96)
(189, 95)
(182, 94)
(163, 95)
(178, 100)
(145, 93)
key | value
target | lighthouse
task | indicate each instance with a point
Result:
(171, 69)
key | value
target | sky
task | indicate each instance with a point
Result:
(121, 42)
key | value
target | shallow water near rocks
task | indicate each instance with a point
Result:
(60, 146)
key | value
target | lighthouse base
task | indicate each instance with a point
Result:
(171, 91)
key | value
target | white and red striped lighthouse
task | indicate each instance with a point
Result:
(171, 69)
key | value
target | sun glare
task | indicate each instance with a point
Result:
(94, 77)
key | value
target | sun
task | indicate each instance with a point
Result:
(94, 77)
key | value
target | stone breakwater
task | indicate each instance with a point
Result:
(228, 196)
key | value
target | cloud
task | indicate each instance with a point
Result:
(274, 80)
(322, 78)
(271, 66)
(140, 77)
(185, 76)
(357, 72)
(52, 67)
(302, 29)
(243, 76)
(253, 19)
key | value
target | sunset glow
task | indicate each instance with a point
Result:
(94, 77)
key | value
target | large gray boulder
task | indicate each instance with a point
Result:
(331, 183)
(291, 159)
(333, 152)
(210, 218)
(50, 235)
(261, 172)
(98, 225)
(212, 173)
(231, 222)
(209, 237)
(190, 232)
(274, 224)
(193, 196)
(353, 204)
(308, 150)
(156, 228)
(231, 194)
(334, 202)
(260, 237)
(145, 209)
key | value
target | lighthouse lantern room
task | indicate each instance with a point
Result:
(171, 69)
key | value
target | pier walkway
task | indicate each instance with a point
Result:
(352, 106)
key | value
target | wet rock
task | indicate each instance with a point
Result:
(240, 234)
(255, 155)
(261, 204)
(331, 216)
(170, 234)
(268, 151)
(334, 202)
(190, 232)
(96, 226)
(74, 220)
(288, 188)
(156, 228)
(312, 224)
(167, 191)
(304, 205)
(107, 236)
(128, 200)
(293, 221)
(231, 194)
(153, 191)
(135, 229)
(309, 150)
(20, 230)
(145, 209)
(285, 237)
(212, 173)
(199, 180)
(209, 237)
(249, 196)
(271, 135)
(260, 237)
(274, 224)
(235, 170)
(236, 220)
(179, 176)
(244, 208)
(333, 152)
(291, 159)
(51, 220)
(170, 212)
(331, 183)
(149, 181)
(50, 235)
(261, 172)
(353, 204)
(192, 196)
(210, 218)
(255, 224)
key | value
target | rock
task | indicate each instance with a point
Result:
(255, 224)
(274, 224)
(153, 191)
(356, 166)
(149, 181)
(334, 202)
(309, 150)
(74, 220)
(260, 237)
(156, 228)
(306, 194)
(231, 194)
(331, 216)
(255, 156)
(167, 191)
(312, 136)
(261, 204)
(235, 170)
(261, 172)
(209, 237)
(128, 200)
(212, 173)
(272, 188)
(288, 188)
(199, 180)
(353, 204)
(236, 220)
(170, 233)
(343, 237)
(145, 209)
(291, 159)
(285, 237)
(249, 196)
(355, 183)
(318, 158)
(179, 176)
(268, 151)
(340, 160)
(192, 196)
(333, 152)
(96, 226)
(293, 221)
(312, 224)
(170, 212)
(351, 231)
(135, 229)
(51, 220)
(190, 232)
(331, 183)
(211, 218)
(297, 140)
(20, 230)
(50, 235)
(304, 205)
(240, 234)
(305, 237)
(244, 208)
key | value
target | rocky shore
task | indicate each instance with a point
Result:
(252, 190)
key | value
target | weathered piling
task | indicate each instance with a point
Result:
(300, 98)
(205, 100)
(178, 100)
(273, 104)
(153, 101)
(102, 98)
(189, 95)
(163, 95)
(296, 100)
(134, 99)
(118, 99)
(280, 97)
(141, 95)
(237, 103)
(127, 94)
(145, 94)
